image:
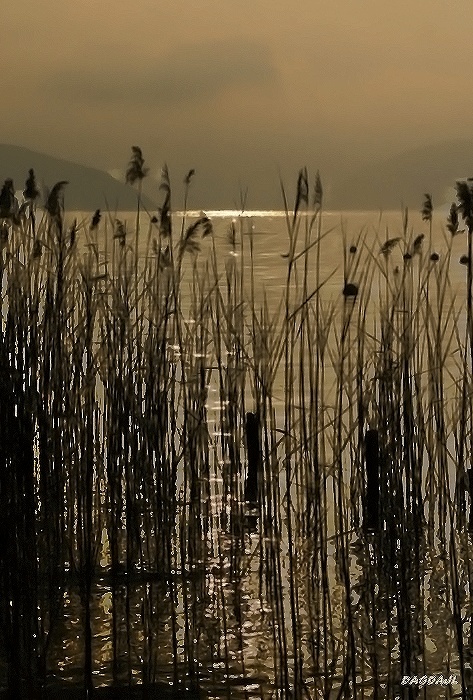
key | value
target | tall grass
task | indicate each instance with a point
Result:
(319, 498)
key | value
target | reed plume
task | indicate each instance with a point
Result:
(192, 461)
(427, 208)
(31, 191)
(389, 245)
(54, 204)
(7, 199)
(136, 170)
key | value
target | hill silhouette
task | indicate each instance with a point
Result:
(403, 179)
(88, 189)
(388, 183)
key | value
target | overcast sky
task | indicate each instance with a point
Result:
(235, 90)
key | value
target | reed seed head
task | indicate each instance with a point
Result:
(452, 220)
(189, 243)
(417, 245)
(120, 232)
(427, 208)
(136, 170)
(55, 201)
(189, 176)
(388, 246)
(465, 199)
(350, 290)
(7, 199)
(95, 220)
(318, 192)
(31, 191)
(302, 195)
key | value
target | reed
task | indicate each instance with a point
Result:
(220, 461)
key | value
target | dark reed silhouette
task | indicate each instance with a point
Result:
(371, 518)
(254, 457)
(126, 554)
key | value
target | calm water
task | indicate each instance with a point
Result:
(268, 232)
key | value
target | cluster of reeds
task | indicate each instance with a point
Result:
(328, 481)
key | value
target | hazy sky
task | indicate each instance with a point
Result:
(235, 90)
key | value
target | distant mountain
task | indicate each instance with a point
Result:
(403, 179)
(378, 184)
(88, 189)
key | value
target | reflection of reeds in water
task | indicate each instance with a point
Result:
(316, 541)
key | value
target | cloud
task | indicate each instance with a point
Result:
(187, 74)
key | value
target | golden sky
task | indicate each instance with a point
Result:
(235, 90)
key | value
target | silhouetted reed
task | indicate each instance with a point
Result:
(254, 457)
(371, 518)
(218, 460)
